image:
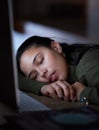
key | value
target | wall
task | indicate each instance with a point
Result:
(93, 20)
(30, 8)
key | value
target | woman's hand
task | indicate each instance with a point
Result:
(79, 87)
(60, 90)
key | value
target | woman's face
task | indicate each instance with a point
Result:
(44, 64)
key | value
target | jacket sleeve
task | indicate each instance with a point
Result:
(29, 85)
(88, 73)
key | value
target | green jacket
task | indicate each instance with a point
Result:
(87, 72)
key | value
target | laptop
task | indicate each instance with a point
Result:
(9, 91)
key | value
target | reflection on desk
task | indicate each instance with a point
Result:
(59, 104)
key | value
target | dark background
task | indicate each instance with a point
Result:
(76, 16)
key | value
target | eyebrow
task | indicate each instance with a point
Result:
(33, 63)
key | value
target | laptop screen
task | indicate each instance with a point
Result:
(8, 71)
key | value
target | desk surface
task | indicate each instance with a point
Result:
(56, 103)
(52, 103)
(59, 104)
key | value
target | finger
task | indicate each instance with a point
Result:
(71, 89)
(72, 92)
(54, 96)
(50, 91)
(58, 90)
(65, 90)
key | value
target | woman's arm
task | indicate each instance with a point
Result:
(58, 89)
(88, 74)
(29, 85)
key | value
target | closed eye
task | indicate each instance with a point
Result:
(39, 59)
(33, 75)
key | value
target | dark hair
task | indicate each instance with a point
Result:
(31, 41)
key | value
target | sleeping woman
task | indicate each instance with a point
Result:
(68, 72)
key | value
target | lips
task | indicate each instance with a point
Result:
(53, 77)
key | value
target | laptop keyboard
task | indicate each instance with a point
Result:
(28, 103)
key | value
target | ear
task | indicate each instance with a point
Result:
(56, 46)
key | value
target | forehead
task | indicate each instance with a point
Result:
(33, 50)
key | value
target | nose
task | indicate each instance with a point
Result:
(42, 71)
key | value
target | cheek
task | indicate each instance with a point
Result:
(64, 72)
(50, 63)
(48, 60)
(54, 60)
(61, 67)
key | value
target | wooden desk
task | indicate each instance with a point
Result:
(52, 103)
(59, 104)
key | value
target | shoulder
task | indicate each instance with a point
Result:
(91, 55)
(90, 58)
(88, 66)
(74, 52)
